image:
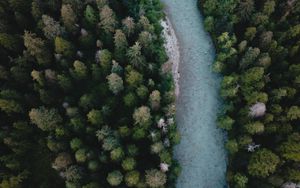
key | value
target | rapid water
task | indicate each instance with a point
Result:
(201, 152)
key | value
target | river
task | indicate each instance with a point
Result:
(201, 152)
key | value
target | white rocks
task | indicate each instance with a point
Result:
(83, 32)
(161, 123)
(290, 185)
(173, 52)
(57, 57)
(79, 54)
(167, 142)
(99, 44)
(164, 167)
(257, 110)
(65, 105)
(252, 147)
(170, 121)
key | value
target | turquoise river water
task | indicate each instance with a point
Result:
(201, 152)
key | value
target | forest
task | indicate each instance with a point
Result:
(257, 45)
(83, 100)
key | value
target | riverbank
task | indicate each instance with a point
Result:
(173, 52)
(201, 152)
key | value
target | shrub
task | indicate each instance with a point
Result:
(76, 144)
(263, 163)
(63, 47)
(117, 154)
(132, 178)
(114, 178)
(80, 155)
(142, 116)
(45, 119)
(115, 83)
(128, 164)
(62, 161)
(95, 117)
(155, 178)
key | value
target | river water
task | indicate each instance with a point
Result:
(201, 152)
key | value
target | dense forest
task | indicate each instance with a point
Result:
(83, 101)
(258, 53)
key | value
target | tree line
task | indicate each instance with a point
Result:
(258, 54)
(83, 101)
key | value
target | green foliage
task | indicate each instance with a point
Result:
(142, 116)
(249, 57)
(80, 155)
(250, 33)
(128, 164)
(80, 70)
(45, 119)
(293, 113)
(115, 83)
(209, 23)
(64, 82)
(263, 163)
(255, 128)
(114, 178)
(240, 181)
(135, 56)
(128, 26)
(62, 161)
(225, 123)
(246, 8)
(110, 143)
(10, 42)
(260, 85)
(134, 79)
(37, 47)
(142, 91)
(229, 87)
(95, 117)
(69, 17)
(124, 131)
(51, 28)
(157, 147)
(74, 174)
(82, 79)
(117, 154)
(105, 58)
(63, 47)
(154, 100)
(232, 146)
(76, 144)
(107, 19)
(93, 165)
(210, 7)
(132, 178)
(90, 16)
(155, 178)
(130, 100)
(10, 106)
(269, 7)
(290, 150)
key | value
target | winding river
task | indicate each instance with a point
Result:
(201, 152)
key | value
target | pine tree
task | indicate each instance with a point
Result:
(108, 21)
(69, 17)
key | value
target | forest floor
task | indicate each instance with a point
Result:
(201, 152)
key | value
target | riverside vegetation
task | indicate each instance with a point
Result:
(258, 53)
(83, 100)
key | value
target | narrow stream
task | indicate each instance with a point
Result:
(201, 151)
